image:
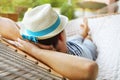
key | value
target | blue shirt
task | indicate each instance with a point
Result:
(81, 47)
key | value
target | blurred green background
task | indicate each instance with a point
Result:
(66, 7)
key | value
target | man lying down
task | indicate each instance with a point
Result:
(41, 34)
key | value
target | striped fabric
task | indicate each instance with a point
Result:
(79, 47)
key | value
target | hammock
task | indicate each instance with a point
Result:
(105, 32)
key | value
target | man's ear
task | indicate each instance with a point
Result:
(61, 37)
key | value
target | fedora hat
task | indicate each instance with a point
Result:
(42, 22)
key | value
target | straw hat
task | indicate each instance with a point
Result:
(42, 22)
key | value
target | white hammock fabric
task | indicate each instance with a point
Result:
(105, 32)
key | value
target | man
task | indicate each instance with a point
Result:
(45, 28)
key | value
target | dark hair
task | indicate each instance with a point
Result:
(50, 41)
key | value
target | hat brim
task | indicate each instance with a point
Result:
(59, 29)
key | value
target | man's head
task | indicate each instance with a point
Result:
(42, 24)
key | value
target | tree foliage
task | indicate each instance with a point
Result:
(67, 9)
(6, 6)
(24, 3)
(20, 6)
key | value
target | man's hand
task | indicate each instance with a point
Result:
(29, 46)
(48, 47)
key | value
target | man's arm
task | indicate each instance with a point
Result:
(72, 67)
(9, 29)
